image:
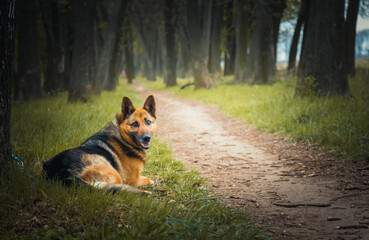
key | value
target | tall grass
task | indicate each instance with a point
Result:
(339, 124)
(181, 206)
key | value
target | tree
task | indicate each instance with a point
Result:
(216, 27)
(322, 67)
(198, 28)
(118, 50)
(146, 19)
(230, 43)
(170, 37)
(83, 49)
(278, 9)
(128, 49)
(53, 15)
(28, 82)
(109, 15)
(261, 61)
(160, 51)
(184, 62)
(295, 40)
(243, 10)
(7, 33)
(350, 35)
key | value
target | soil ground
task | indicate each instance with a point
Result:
(322, 197)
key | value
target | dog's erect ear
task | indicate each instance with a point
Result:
(127, 107)
(149, 105)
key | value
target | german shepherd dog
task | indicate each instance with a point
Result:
(114, 157)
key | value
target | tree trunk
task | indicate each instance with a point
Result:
(147, 31)
(322, 67)
(278, 9)
(83, 51)
(350, 35)
(230, 45)
(115, 64)
(68, 53)
(170, 30)
(147, 53)
(7, 33)
(110, 14)
(295, 40)
(198, 27)
(29, 77)
(160, 52)
(128, 51)
(184, 59)
(55, 28)
(242, 30)
(261, 65)
(216, 27)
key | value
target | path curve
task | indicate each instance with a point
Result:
(256, 170)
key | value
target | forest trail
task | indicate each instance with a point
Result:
(255, 170)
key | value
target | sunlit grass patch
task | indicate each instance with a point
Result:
(339, 124)
(180, 207)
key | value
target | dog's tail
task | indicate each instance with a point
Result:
(114, 188)
(109, 187)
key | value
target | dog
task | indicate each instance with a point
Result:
(112, 158)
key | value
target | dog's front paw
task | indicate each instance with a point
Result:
(144, 181)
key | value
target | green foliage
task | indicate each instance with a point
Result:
(339, 124)
(180, 207)
(308, 87)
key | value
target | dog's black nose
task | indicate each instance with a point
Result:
(146, 138)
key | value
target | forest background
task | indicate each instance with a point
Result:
(77, 50)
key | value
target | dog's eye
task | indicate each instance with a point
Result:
(148, 122)
(135, 124)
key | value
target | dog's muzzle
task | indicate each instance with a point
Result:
(145, 141)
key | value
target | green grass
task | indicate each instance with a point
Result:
(338, 124)
(33, 208)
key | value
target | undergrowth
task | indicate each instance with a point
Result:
(180, 207)
(338, 124)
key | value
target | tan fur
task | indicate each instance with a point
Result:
(138, 115)
(99, 170)
(132, 167)
(100, 173)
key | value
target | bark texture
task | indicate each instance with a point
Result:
(278, 9)
(216, 27)
(81, 75)
(147, 25)
(54, 20)
(350, 35)
(28, 76)
(322, 67)
(291, 69)
(242, 37)
(7, 33)
(230, 44)
(110, 15)
(184, 56)
(198, 27)
(128, 51)
(261, 61)
(170, 37)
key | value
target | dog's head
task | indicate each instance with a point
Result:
(137, 126)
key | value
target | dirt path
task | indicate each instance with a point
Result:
(256, 170)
